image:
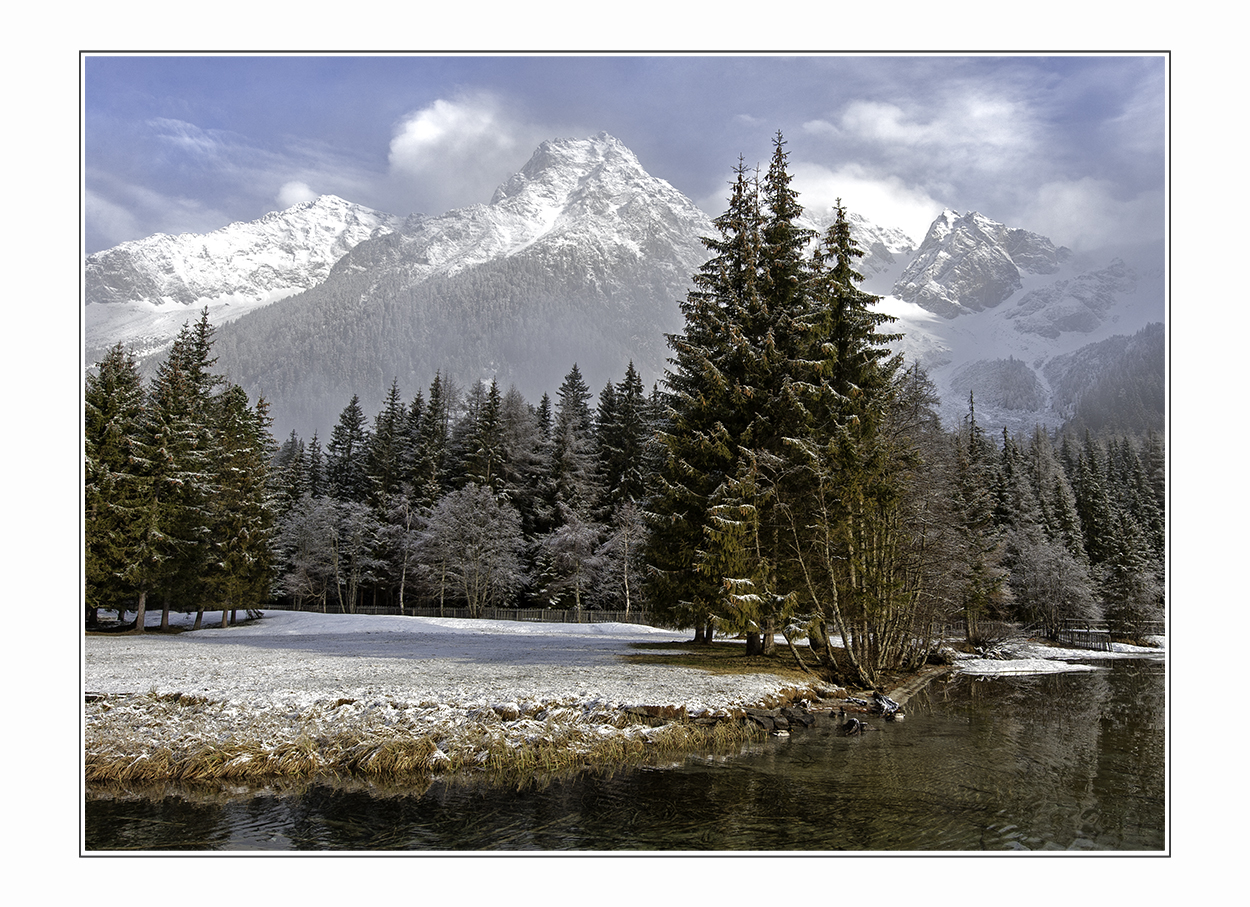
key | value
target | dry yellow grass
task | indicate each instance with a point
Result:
(158, 738)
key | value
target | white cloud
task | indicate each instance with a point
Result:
(117, 211)
(189, 138)
(426, 139)
(110, 223)
(294, 192)
(455, 152)
(884, 199)
(1085, 214)
(886, 123)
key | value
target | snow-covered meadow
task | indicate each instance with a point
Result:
(334, 689)
(469, 687)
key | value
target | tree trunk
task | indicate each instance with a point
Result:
(165, 613)
(141, 611)
(768, 638)
(403, 578)
(199, 618)
(753, 644)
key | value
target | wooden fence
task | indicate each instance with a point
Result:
(538, 615)
(1084, 638)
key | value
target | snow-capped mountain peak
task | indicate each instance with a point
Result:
(278, 254)
(968, 263)
(590, 194)
(141, 292)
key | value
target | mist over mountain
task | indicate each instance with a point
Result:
(582, 256)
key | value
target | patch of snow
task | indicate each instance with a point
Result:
(299, 675)
(1034, 658)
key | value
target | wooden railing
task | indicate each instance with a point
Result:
(538, 615)
(1084, 638)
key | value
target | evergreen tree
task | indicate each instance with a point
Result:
(116, 480)
(482, 453)
(697, 431)
(385, 455)
(525, 459)
(985, 589)
(573, 467)
(346, 475)
(1093, 504)
(290, 473)
(317, 485)
(1130, 591)
(180, 438)
(428, 470)
(621, 435)
(242, 512)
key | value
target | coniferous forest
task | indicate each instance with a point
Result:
(789, 478)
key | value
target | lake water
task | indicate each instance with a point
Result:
(1073, 761)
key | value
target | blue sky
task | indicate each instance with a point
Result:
(1069, 146)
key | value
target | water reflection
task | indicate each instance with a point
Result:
(1067, 761)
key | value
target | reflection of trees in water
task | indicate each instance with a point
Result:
(144, 824)
(1042, 761)
(1080, 753)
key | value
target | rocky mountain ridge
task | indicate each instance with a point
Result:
(582, 256)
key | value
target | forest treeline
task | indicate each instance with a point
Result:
(790, 477)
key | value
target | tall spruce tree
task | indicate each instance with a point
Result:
(181, 439)
(116, 479)
(385, 454)
(573, 452)
(346, 475)
(241, 510)
(696, 435)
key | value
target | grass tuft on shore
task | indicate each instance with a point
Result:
(383, 742)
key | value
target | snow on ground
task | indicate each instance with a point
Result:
(469, 687)
(292, 659)
(1036, 658)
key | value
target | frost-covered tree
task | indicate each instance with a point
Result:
(1048, 583)
(575, 561)
(622, 568)
(470, 547)
(305, 546)
(356, 552)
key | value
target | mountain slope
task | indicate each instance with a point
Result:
(969, 263)
(1015, 356)
(580, 257)
(141, 292)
